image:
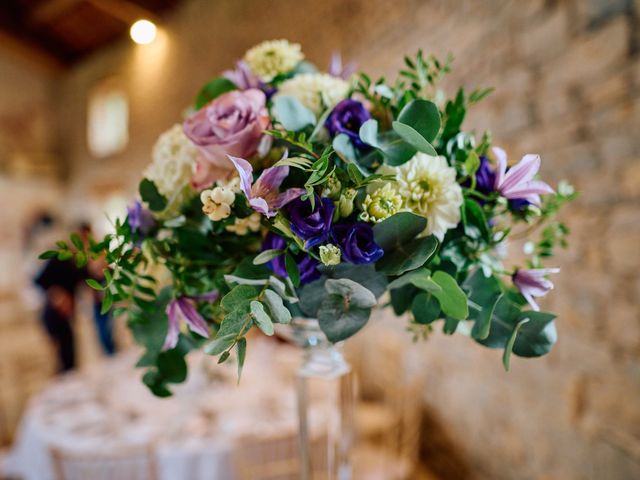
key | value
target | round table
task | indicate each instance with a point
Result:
(191, 435)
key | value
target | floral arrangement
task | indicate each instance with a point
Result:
(289, 193)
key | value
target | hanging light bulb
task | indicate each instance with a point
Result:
(143, 32)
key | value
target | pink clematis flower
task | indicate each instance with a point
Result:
(264, 195)
(183, 308)
(336, 68)
(533, 283)
(518, 182)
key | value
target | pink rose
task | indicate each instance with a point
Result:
(231, 124)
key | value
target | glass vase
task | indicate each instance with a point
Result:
(325, 395)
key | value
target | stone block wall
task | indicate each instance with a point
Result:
(567, 77)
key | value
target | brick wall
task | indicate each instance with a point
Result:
(567, 74)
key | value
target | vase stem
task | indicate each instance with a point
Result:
(325, 386)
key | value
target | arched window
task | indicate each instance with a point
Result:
(107, 119)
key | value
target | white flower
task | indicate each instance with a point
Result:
(216, 203)
(242, 226)
(316, 91)
(428, 187)
(271, 58)
(173, 161)
(330, 254)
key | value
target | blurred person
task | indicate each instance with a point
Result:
(59, 280)
(103, 321)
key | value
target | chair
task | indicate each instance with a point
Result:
(277, 458)
(130, 464)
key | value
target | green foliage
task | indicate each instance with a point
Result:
(149, 193)
(292, 114)
(211, 90)
(345, 310)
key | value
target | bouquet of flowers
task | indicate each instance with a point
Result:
(289, 193)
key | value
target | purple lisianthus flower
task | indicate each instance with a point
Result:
(485, 176)
(307, 266)
(533, 283)
(183, 309)
(356, 242)
(140, 219)
(347, 117)
(312, 225)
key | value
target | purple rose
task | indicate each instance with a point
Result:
(356, 242)
(311, 224)
(306, 264)
(231, 124)
(347, 117)
(140, 219)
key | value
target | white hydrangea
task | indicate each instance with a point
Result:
(428, 188)
(173, 161)
(271, 58)
(316, 91)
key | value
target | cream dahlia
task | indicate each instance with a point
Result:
(428, 187)
(271, 58)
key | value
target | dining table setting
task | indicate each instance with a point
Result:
(106, 411)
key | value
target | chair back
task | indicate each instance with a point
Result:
(131, 464)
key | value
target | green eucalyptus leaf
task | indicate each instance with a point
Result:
(475, 215)
(413, 138)
(453, 300)
(506, 356)
(213, 89)
(219, 344)
(292, 114)
(484, 293)
(240, 295)
(408, 256)
(261, 318)
(340, 321)
(425, 308)
(266, 256)
(312, 295)
(279, 313)
(353, 293)
(241, 351)
(423, 117)
(398, 229)
(172, 366)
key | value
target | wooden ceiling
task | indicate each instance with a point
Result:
(62, 32)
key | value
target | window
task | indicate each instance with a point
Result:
(107, 119)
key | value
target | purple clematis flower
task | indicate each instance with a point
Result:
(183, 308)
(533, 283)
(356, 242)
(140, 219)
(263, 195)
(347, 117)
(307, 266)
(517, 182)
(337, 70)
(244, 79)
(311, 224)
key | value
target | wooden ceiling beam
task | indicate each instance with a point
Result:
(50, 11)
(25, 50)
(123, 10)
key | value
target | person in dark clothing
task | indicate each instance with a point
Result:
(59, 279)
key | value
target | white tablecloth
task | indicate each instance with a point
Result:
(192, 435)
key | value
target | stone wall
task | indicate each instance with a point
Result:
(567, 75)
